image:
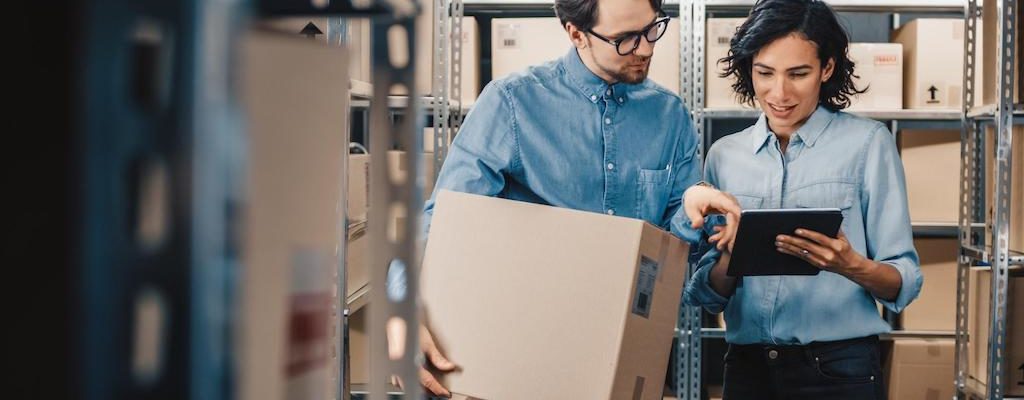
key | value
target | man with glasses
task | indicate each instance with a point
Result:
(588, 131)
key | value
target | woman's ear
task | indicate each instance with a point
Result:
(827, 70)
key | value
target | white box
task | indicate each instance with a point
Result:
(718, 92)
(518, 43)
(880, 70)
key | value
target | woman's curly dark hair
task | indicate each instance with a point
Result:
(773, 19)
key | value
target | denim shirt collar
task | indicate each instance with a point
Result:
(591, 86)
(808, 133)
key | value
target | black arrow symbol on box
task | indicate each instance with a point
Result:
(933, 89)
(1021, 368)
(311, 31)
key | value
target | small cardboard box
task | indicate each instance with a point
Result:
(879, 67)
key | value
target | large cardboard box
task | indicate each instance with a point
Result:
(931, 161)
(291, 88)
(935, 308)
(978, 323)
(990, 44)
(518, 43)
(922, 369)
(580, 305)
(1016, 201)
(879, 67)
(718, 92)
(933, 58)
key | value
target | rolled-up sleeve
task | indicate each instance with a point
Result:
(888, 232)
(698, 291)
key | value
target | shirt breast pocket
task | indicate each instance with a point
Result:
(827, 195)
(652, 191)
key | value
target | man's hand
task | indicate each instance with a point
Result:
(434, 361)
(703, 200)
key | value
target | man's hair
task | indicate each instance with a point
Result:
(815, 21)
(583, 13)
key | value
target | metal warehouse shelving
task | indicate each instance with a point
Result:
(975, 251)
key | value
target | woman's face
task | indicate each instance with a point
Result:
(787, 78)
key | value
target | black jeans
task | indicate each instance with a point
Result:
(846, 369)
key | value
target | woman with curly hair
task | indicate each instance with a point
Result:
(808, 337)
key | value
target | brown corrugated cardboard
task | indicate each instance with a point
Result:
(990, 43)
(399, 172)
(879, 67)
(719, 92)
(517, 43)
(935, 308)
(299, 26)
(580, 305)
(358, 186)
(921, 369)
(979, 317)
(933, 63)
(931, 161)
(359, 348)
(291, 88)
(1016, 201)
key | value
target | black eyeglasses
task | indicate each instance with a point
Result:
(630, 41)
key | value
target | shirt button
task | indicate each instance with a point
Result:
(607, 121)
(772, 354)
(593, 97)
(620, 100)
(611, 166)
(611, 212)
(608, 92)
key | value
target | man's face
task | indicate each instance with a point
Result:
(617, 18)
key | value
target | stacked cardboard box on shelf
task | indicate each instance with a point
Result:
(291, 88)
(921, 369)
(518, 43)
(933, 53)
(879, 69)
(990, 44)
(979, 317)
(1016, 176)
(608, 286)
(718, 92)
(935, 307)
(357, 251)
(931, 162)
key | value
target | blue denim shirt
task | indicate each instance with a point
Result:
(834, 160)
(556, 134)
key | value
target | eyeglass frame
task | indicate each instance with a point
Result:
(642, 33)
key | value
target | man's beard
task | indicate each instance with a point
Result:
(628, 74)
